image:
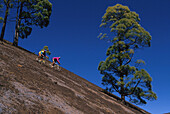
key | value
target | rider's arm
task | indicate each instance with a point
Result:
(39, 53)
(42, 54)
(58, 61)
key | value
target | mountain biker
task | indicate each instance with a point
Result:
(55, 59)
(42, 54)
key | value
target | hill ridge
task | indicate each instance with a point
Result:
(32, 87)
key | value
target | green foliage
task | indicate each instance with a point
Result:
(46, 48)
(144, 88)
(102, 36)
(1, 6)
(1, 19)
(38, 13)
(127, 36)
(34, 13)
(24, 31)
(4, 3)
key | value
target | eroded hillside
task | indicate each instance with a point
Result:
(29, 87)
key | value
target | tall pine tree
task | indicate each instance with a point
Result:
(31, 13)
(7, 5)
(120, 74)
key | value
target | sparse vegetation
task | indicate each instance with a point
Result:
(46, 48)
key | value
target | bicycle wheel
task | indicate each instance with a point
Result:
(58, 68)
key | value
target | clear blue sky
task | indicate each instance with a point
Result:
(72, 34)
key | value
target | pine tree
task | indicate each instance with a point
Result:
(31, 13)
(8, 4)
(120, 74)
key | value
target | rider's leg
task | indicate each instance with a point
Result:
(53, 62)
(58, 66)
(41, 58)
(52, 65)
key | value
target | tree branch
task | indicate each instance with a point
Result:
(129, 60)
(115, 88)
(135, 87)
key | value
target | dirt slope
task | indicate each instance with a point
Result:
(29, 87)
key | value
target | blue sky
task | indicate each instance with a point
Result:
(72, 34)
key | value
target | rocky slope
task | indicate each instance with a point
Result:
(27, 86)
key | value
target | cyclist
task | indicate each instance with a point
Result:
(55, 59)
(42, 54)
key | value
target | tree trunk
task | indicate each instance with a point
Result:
(122, 93)
(18, 23)
(5, 21)
(122, 89)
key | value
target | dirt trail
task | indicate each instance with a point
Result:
(29, 87)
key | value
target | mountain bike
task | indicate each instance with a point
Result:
(55, 67)
(43, 61)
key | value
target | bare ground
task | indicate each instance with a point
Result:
(27, 86)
